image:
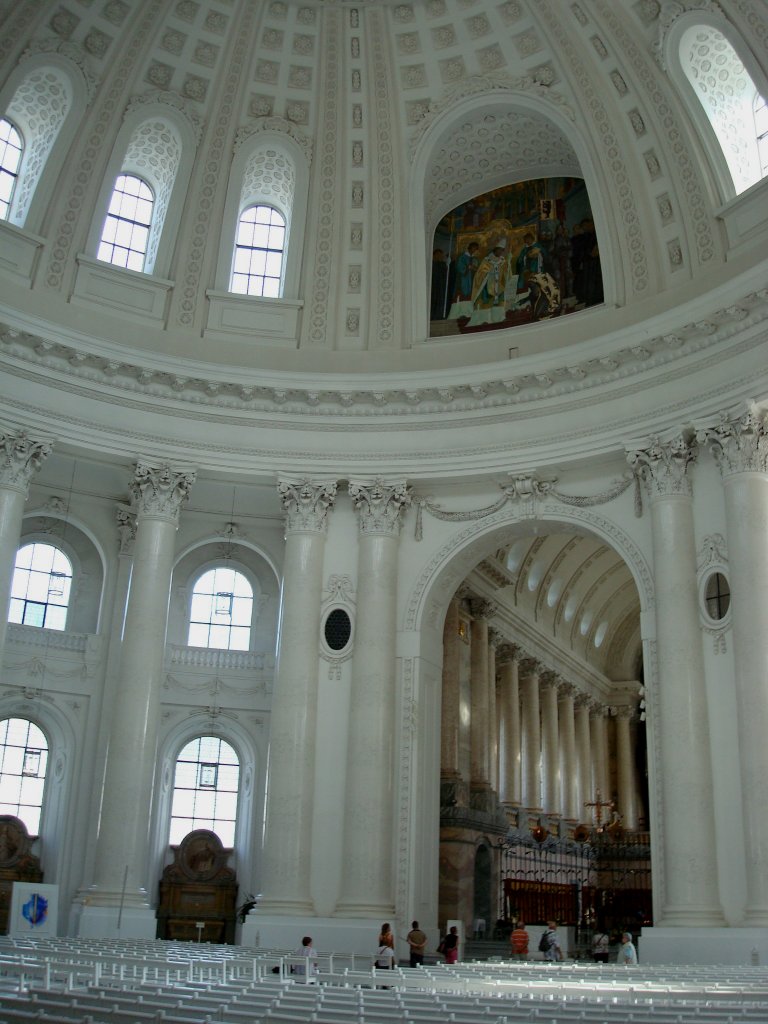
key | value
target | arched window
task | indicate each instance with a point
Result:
(23, 764)
(258, 265)
(730, 99)
(126, 229)
(221, 610)
(42, 581)
(205, 790)
(10, 157)
(761, 132)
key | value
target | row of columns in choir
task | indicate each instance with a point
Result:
(534, 739)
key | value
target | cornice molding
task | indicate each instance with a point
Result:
(359, 397)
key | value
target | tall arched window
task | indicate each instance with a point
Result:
(42, 581)
(205, 790)
(259, 250)
(126, 229)
(23, 764)
(10, 158)
(729, 97)
(221, 610)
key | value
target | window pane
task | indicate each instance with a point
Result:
(209, 768)
(130, 214)
(23, 749)
(214, 608)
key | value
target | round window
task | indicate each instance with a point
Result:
(717, 596)
(338, 629)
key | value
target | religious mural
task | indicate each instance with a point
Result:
(515, 255)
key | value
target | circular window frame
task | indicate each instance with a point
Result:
(329, 652)
(711, 570)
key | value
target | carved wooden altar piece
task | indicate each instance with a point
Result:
(17, 864)
(198, 888)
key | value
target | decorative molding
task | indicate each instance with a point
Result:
(20, 459)
(74, 53)
(306, 505)
(497, 391)
(663, 466)
(164, 98)
(277, 126)
(160, 491)
(739, 443)
(380, 505)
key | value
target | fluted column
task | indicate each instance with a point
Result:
(599, 746)
(690, 883)
(568, 762)
(626, 781)
(20, 459)
(481, 611)
(450, 718)
(293, 728)
(531, 725)
(584, 794)
(740, 447)
(494, 641)
(509, 727)
(367, 871)
(550, 747)
(122, 841)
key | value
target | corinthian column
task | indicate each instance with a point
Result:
(367, 876)
(509, 727)
(122, 841)
(550, 748)
(480, 709)
(584, 794)
(20, 459)
(494, 641)
(568, 762)
(293, 725)
(626, 781)
(531, 723)
(690, 886)
(450, 718)
(740, 447)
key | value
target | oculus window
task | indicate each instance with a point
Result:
(126, 229)
(221, 610)
(259, 252)
(205, 790)
(23, 764)
(41, 587)
(10, 159)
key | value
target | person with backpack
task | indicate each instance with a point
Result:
(549, 943)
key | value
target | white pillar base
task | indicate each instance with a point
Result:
(703, 946)
(99, 922)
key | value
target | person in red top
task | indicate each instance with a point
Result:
(518, 940)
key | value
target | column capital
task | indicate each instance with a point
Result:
(739, 444)
(160, 491)
(495, 639)
(550, 679)
(507, 652)
(126, 528)
(663, 466)
(480, 608)
(568, 690)
(624, 711)
(20, 459)
(529, 666)
(583, 700)
(380, 505)
(306, 504)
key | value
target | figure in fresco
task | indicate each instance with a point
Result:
(466, 267)
(489, 286)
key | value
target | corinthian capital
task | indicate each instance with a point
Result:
(306, 504)
(380, 505)
(739, 444)
(20, 459)
(482, 609)
(663, 466)
(160, 491)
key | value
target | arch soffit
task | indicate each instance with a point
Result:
(237, 542)
(68, 520)
(451, 563)
(530, 104)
